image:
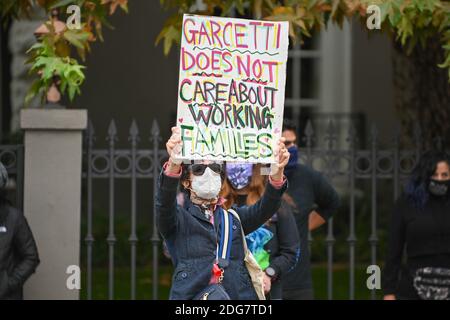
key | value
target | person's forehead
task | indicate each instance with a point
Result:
(289, 134)
(442, 167)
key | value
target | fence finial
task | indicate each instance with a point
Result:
(134, 132)
(352, 137)
(90, 132)
(330, 133)
(309, 133)
(374, 133)
(112, 131)
(90, 127)
(155, 130)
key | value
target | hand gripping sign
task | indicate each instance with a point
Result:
(231, 88)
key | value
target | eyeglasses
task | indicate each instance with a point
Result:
(199, 168)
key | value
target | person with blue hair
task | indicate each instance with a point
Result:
(420, 223)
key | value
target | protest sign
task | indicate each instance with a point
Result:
(231, 88)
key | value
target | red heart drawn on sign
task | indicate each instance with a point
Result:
(181, 120)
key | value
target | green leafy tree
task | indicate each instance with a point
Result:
(55, 56)
(420, 30)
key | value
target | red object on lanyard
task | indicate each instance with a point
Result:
(216, 270)
(217, 274)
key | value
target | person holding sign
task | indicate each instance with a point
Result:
(205, 242)
(231, 88)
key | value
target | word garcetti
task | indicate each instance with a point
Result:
(232, 34)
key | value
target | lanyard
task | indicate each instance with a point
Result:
(224, 245)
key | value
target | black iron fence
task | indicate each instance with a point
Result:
(355, 167)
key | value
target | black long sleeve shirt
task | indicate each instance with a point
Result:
(426, 236)
(310, 191)
(284, 247)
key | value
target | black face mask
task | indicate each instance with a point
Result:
(439, 188)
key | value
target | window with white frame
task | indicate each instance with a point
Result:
(318, 83)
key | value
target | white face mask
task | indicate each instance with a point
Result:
(208, 185)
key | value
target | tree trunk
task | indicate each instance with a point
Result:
(422, 94)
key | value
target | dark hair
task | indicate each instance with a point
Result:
(185, 173)
(290, 125)
(255, 189)
(417, 187)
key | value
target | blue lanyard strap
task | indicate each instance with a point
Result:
(226, 236)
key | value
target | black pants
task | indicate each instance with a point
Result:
(298, 294)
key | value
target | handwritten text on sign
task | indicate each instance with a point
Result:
(231, 88)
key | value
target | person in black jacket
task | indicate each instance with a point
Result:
(275, 244)
(18, 253)
(420, 223)
(192, 232)
(316, 201)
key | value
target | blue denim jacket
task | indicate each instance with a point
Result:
(191, 241)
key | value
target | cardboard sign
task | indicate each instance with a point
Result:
(231, 88)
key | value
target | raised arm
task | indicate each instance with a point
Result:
(252, 217)
(167, 219)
